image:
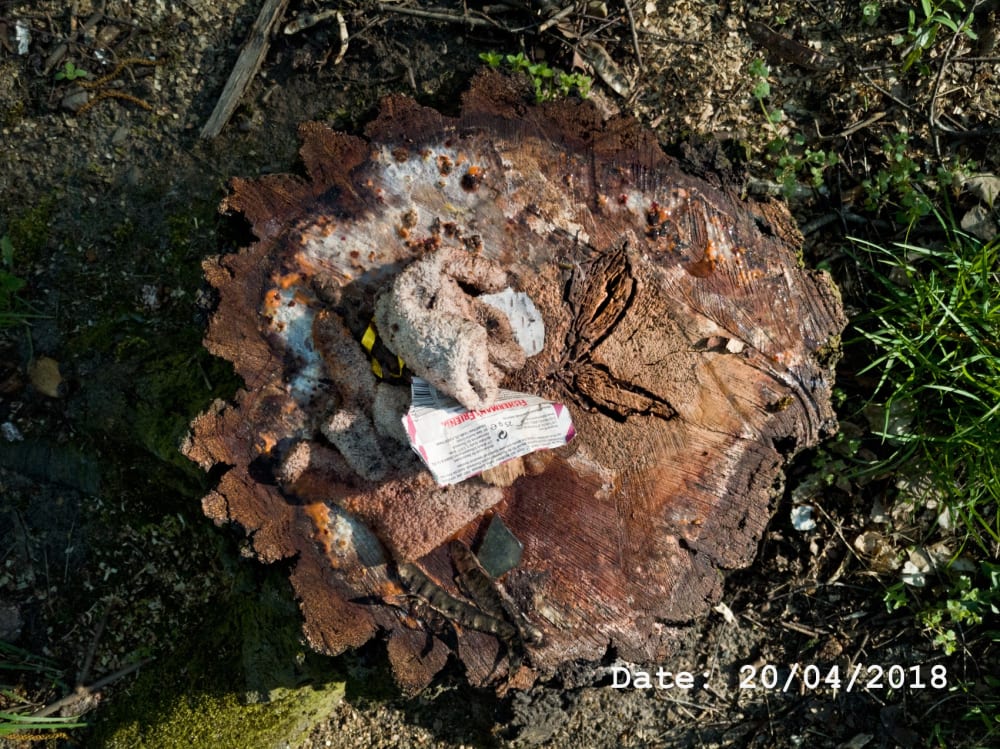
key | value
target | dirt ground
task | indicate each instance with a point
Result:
(108, 195)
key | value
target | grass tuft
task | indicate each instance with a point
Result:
(937, 338)
(16, 722)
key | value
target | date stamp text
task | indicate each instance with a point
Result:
(792, 677)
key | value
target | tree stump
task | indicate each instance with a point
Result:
(692, 350)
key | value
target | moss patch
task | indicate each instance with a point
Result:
(243, 681)
(29, 231)
(222, 721)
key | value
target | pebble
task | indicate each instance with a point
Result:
(44, 375)
(11, 433)
(74, 101)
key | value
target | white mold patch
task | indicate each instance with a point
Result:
(525, 319)
(291, 315)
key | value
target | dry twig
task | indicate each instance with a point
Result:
(83, 692)
(468, 18)
(635, 34)
(247, 65)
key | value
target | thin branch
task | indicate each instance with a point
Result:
(932, 114)
(974, 59)
(851, 129)
(81, 693)
(88, 660)
(468, 19)
(635, 34)
(555, 18)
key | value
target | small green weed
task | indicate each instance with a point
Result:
(14, 310)
(964, 603)
(762, 88)
(70, 72)
(803, 162)
(937, 341)
(985, 710)
(493, 59)
(549, 83)
(903, 184)
(793, 160)
(6, 251)
(870, 11)
(922, 31)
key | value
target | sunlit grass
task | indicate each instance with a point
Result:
(936, 330)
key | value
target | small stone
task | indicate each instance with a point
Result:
(802, 519)
(986, 187)
(979, 223)
(74, 101)
(912, 575)
(134, 175)
(501, 550)
(45, 377)
(22, 33)
(860, 741)
(11, 433)
(727, 613)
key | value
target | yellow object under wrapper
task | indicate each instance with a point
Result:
(368, 343)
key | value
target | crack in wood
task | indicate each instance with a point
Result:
(600, 298)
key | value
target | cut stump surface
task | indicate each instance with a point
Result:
(694, 353)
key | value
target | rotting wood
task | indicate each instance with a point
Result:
(247, 64)
(693, 351)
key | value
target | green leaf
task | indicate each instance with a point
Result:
(946, 21)
(762, 90)
(70, 72)
(758, 68)
(9, 284)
